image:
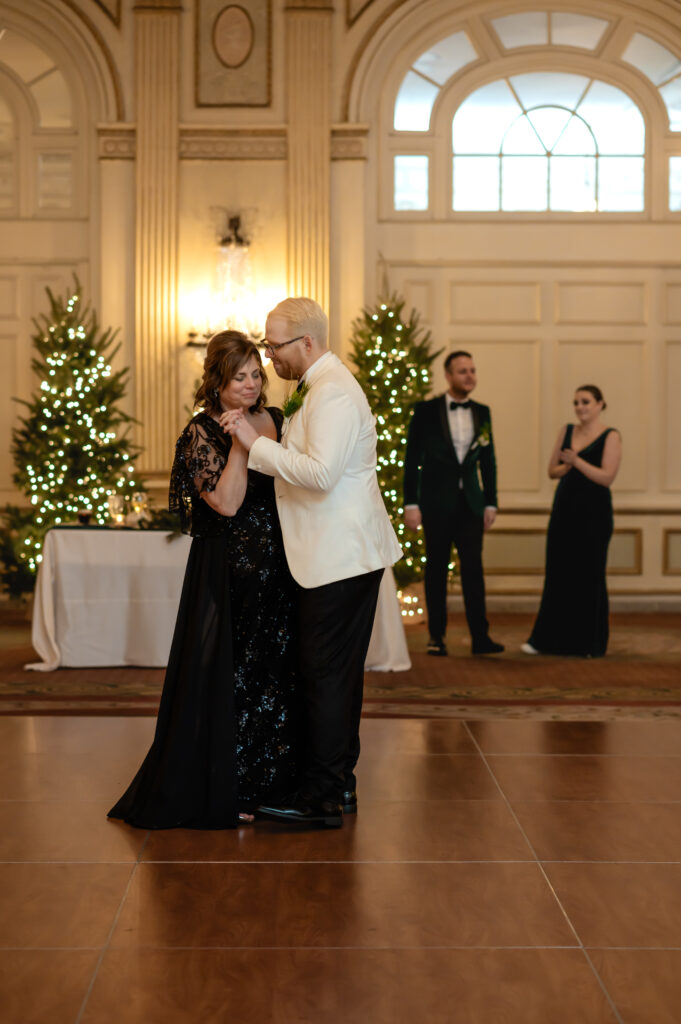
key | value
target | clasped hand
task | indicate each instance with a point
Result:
(235, 423)
(568, 456)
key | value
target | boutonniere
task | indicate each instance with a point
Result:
(294, 401)
(484, 436)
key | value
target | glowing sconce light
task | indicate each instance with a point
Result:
(232, 303)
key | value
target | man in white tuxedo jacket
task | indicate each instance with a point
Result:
(338, 540)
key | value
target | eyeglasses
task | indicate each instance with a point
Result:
(272, 349)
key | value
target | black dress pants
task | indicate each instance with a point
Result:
(335, 629)
(464, 530)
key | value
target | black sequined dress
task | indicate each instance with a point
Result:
(228, 728)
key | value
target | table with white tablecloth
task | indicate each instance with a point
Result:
(108, 597)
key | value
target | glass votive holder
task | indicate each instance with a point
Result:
(116, 506)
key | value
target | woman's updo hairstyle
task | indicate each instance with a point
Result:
(595, 392)
(227, 352)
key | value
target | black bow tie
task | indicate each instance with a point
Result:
(459, 405)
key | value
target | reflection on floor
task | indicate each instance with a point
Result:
(498, 871)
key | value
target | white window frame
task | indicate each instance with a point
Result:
(604, 64)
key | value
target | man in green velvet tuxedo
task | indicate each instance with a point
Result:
(450, 488)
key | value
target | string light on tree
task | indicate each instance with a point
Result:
(393, 359)
(71, 450)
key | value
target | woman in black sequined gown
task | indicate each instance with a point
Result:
(573, 615)
(228, 728)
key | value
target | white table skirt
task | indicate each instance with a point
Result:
(110, 597)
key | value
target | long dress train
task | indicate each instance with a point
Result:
(228, 728)
(573, 615)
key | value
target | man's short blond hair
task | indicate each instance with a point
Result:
(303, 316)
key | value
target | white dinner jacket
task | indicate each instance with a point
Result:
(332, 515)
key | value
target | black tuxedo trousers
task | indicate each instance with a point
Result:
(335, 629)
(464, 530)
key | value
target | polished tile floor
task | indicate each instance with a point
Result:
(498, 872)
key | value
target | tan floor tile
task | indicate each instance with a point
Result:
(59, 905)
(425, 777)
(623, 779)
(402, 831)
(348, 987)
(382, 736)
(621, 904)
(80, 734)
(44, 986)
(355, 905)
(36, 830)
(576, 830)
(643, 737)
(644, 984)
(56, 775)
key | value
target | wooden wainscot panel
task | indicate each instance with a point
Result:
(672, 302)
(625, 555)
(602, 303)
(671, 547)
(671, 412)
(419, 296)
(8, 297)
(8, 408)
(519, 552)
(495, 302)
(514, 552)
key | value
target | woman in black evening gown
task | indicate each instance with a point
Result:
(228, 727)
(573, 615)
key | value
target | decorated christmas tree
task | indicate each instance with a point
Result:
(393, 359)
(71, 450)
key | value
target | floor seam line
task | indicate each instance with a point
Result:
(545, 876)
(112, 929)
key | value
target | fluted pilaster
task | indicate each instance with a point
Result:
(157, 99)
(308, 71)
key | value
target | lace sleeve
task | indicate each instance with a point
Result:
(199, 462)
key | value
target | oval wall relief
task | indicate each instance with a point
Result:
(233, 36)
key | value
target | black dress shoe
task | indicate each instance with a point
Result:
(437, 648)
(349, 801)
(487, 646)
(304, 810)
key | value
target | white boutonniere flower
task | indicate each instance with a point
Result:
(484, 437)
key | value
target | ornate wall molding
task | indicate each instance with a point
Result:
(309, 5)
(232, 53)
(308, 88)
(157, 76)
(207, 143)
(110, 67)
(158, 5)
(353, 9)
(112, 9)
(116, 141)
(349, 141)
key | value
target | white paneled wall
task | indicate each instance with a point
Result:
(537, 332)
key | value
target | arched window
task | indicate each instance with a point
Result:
(548, 141)
(7, 156)
(39, 139)
(425, 78)
(540, 141)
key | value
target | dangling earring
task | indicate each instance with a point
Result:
(216, 394)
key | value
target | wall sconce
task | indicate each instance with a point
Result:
(232, 303)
